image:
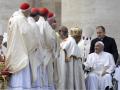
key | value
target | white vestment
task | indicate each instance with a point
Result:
(21, 55)
(59, 67)
(17, 53)
(35, 56)
(102, 62)
(49, 45)
(74, 77)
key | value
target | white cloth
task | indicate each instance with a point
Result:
(48, 39)
(22, 42)
(71, 47)
(17, 53)
(96, 82)
(102, 62)
(74, 77)
(16, 13)
(59, 67)
(49, 45)
(19, 28)
(22, 80)
(35, 56)
(117, 76)
(61, 70)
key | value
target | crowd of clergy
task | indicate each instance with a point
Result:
(37, 56)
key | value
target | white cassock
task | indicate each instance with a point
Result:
(100, 63)
(61, 70)
(36, 56)
(21, 45)
(74, 76)
(16, 43)
(117, 76)
(49, 45)
(60, 67)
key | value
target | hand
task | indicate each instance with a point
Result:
(104, 72)
(88, 69)
(67, 59)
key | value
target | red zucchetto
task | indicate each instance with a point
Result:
(43, 11)
(50, 14)
(34, 10)
(24, 6)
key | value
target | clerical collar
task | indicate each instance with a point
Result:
(101, 38)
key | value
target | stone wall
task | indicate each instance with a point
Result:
(7, 7)
(52, 5)
(93, 13)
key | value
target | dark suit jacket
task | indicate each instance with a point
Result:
(109, 46)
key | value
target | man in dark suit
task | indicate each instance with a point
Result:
(109, 43)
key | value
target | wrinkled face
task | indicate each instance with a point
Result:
(100, 33)
(98, 48)
(63, 33)
(53, 23)
(1, 39)
(27, 12)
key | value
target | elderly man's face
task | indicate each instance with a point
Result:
(26, 12)
(98, 48)
(100, 33)
(63, 33)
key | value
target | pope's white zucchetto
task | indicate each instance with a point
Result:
(100, 42)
